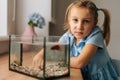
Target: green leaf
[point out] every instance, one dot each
(30, 23)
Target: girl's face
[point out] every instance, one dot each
(81, 22)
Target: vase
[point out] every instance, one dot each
(27, 37)
(29, 31)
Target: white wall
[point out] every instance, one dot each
(10, 17)
(113, 7)
(6, 15)
(6, 24)
(3, 17)
(24, 8)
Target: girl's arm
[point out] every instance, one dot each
(85, 56)
(38, 60)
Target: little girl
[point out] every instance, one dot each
(88, 41)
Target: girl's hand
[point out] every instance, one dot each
(38, 60)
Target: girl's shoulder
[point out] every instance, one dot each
(95, 37)
(96, 30)
(66, 36)
(94, 33)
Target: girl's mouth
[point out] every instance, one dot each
(79, 33)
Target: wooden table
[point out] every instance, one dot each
(5, 74)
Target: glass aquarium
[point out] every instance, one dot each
(56, 56)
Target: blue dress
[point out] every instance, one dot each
(100, 67)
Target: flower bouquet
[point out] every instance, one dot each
(36, 20)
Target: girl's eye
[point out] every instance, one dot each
(86, 21)
(75, 20)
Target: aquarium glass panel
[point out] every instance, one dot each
(56, 56)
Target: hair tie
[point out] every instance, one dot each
(98, 9)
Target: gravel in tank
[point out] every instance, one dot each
(52, 70)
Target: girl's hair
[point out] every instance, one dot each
(94, 11)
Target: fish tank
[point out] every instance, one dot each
(56, 56)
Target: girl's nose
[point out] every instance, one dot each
(80, 26)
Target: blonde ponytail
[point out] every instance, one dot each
(106, 26)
